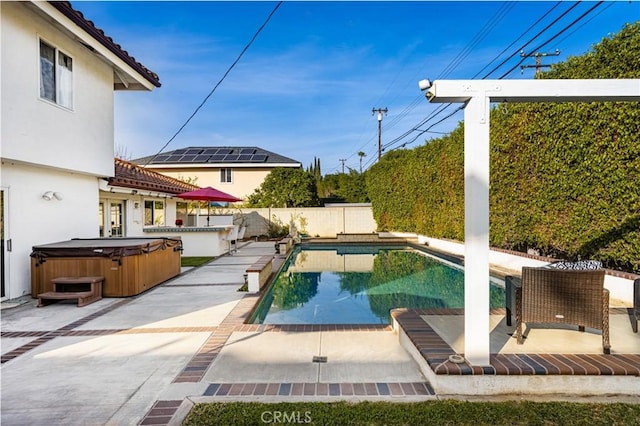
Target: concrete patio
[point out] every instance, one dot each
(147, 359)
(116, 360)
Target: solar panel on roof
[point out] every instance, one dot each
(245, 157)
(160, 159)
(217, 157)
(210, 151)
(174, 158)
(188, 157)
(225, 151)
(201, 158)
(259, 158)
(248, 151)
(231, 157)
(179, 151)
(194, 151)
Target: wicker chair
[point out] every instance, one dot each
(560, 296)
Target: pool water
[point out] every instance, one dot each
(352, 284)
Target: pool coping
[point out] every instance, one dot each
(280, 259)
(521, 373)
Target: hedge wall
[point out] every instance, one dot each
(565, 178)
(421, 190)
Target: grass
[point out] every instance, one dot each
(443, 412)
(194, 261)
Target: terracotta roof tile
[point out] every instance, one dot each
(78, 18)
(130, 175)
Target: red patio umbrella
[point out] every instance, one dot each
(208, 194)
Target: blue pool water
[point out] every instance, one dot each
(353, 284)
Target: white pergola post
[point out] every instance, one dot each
(478, 94)
(476, 229)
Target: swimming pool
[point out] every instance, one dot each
(356, 284)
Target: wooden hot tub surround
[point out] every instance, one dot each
(129, 266)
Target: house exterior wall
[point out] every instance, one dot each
(47, 147)
(31, 220)
(133, 205)
(40, 132)
(245, 180)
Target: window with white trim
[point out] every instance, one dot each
(56, 76)
(225, 176)
(154, 213)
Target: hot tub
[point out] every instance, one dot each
(129, 265)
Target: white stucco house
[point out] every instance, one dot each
(58, 77)
(136, 199)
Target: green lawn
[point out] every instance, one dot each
(194, 261)
(445, 412)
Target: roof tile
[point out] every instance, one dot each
(78, 18)
(130, 175)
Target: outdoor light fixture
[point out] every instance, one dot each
(50, 195)
(424, 84)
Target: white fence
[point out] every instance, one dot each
(315, 221)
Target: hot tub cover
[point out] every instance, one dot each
(104, 247)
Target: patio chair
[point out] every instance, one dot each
(232, 238)
(241, 232)
(562, 296)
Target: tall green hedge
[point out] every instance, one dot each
(565, 178)
(421, 190)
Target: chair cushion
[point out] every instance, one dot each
(578, 265)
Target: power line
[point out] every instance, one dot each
(514, 42)
(466, 51)
(442, 107)
(246, 47)
(609, 4)
(505, 8)
(555, 36)
(485, 30)
(416, 128)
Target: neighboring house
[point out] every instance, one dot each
(236, 170)
(135, 198)
(59, 73)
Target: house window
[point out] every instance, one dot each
(225, 176)
(153, 213)
(56, 76)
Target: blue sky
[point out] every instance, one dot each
(307, 85)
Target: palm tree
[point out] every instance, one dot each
(361, 155)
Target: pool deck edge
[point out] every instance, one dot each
(515, 374)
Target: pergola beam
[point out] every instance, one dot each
(446, 91)
(478, 95)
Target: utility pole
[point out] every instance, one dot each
(342, 160)
(538, 64)
(379, 111)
